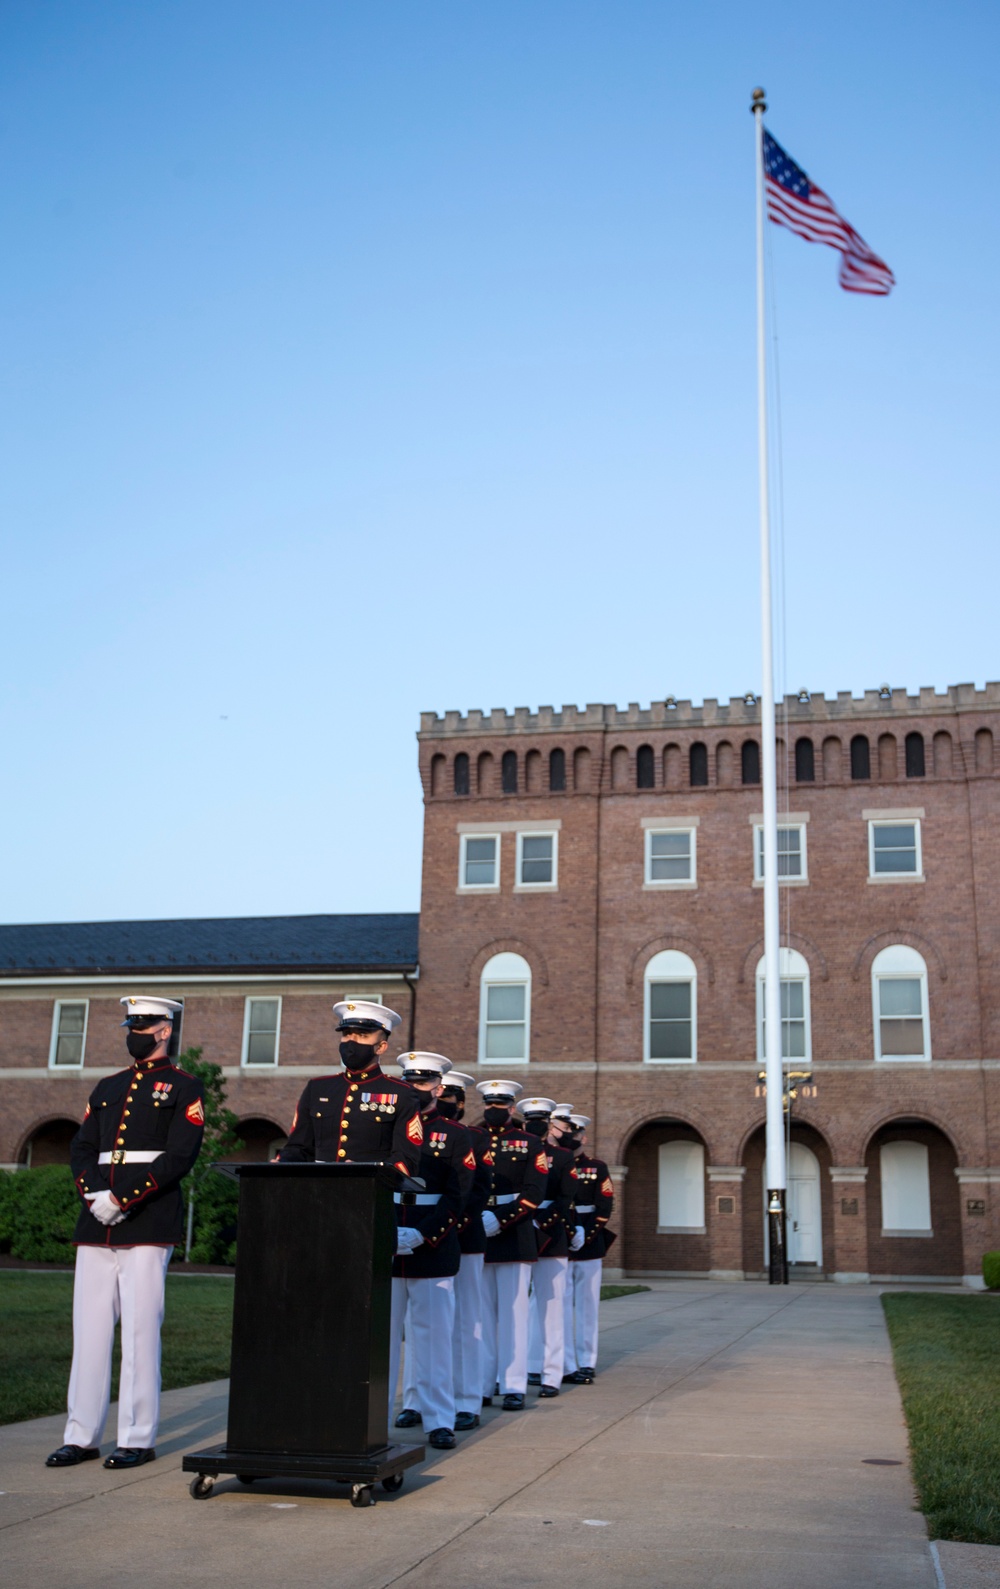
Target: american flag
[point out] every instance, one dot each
(795, 202)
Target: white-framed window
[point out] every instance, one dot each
(792, 863)
(796, 1024)
(69, 1034)
(670, 1022)
(671, 857)
(478, 862)
(261, 1030)
(906, 1189)
(894, 849)
(505, 1011)
(681, 1189)
(537, 860)
(899, 1005)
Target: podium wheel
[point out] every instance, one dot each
(393, 1483)
(362, 1495)
(246, 1478)
(201, 1487)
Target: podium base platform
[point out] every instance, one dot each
(361, 1472)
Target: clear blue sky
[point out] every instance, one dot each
(364, 359)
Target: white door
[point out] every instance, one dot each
(805, 1233)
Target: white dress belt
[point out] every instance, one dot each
(505, 1197)
(585, 1208)
(427, 1199)
(133, 1156)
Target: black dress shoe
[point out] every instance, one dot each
(441, 1439)
(548, 1390)
(69, 1456)
(589, 1375)
(580, 1377)
(128, 1457)
(408, 1418)
(570, 1379)
(487, 1401)
(466, 1420)
(534, 1379)
(513, 1401)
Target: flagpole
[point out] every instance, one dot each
(775, 1129)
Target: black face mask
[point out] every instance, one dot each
(572, 1143)
(536, 1126)
(356, 1056)
(141, 1044)
(450, 1109)
(496, 1116)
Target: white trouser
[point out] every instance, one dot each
(583, 1299)
(546, 1324)
(505, 1327)
(428, 1306)
(468, 1337)
(112, 1283)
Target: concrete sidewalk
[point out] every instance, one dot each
(737, 1435)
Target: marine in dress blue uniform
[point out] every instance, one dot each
(555, 1224)
(428, 1253)
(140, 1135)
(362, 1114)
(520, 1178)
(467, 1339)
(595, 1201)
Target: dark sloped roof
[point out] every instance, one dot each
(226, 943)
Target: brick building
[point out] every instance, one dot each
(591, 921)
(591, 916)
(256, 992)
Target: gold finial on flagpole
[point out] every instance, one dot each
(758, 102)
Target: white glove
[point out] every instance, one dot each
(104, 1208)
(577, 1239)
(491, 1224)
(408, 1239)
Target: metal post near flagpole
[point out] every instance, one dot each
(776, 1173)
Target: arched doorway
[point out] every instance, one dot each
(261, 1138)
(49, 1143)
(665, 1209)
(913, 1202)
(803, 1209)
(809, 1203)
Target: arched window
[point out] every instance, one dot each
(906, 1189)
(437, 774)
(619, 767)
(886, 757)
(984, 750)
(699, 765)
(533, 772)
(505, 1010)
(681, 1200)
(557, 771)
(485, 773)
(899, 1004)
(861, 758)
(914, 752)
(750, 761)
(832, 753)
(796, 1034)
(805, 764)
(581, 770)
(671, 1009)
(461, 773)
(645, 768)
(508, 772)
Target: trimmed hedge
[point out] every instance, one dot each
(39, 1209)
(991, 1270)
(38, 1213)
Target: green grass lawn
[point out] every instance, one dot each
(609, 1292)
(947, 1356)
(36, 1338)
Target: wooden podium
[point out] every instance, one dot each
(309, 1386)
